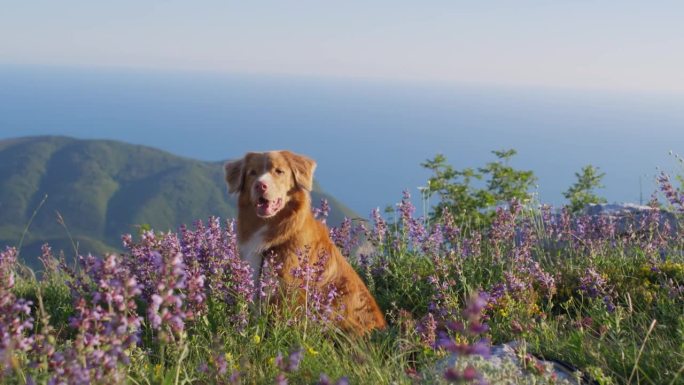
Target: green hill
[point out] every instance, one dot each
(104, 189)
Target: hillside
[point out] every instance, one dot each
(104, 189)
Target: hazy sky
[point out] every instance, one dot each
(637, 45)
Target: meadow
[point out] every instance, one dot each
(179, 308)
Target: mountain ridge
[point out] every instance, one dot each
(103, 189)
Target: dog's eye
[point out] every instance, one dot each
(252, 172)
(279, 171)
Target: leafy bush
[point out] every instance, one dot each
(581, 193)
(470, 203)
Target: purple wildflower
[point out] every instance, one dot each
(427, 330)
(48, 260)
(675, 197)
(321, 213)
(294, 360)
(269, 280)
(564, 226)
(594, 285)
(288, 365)
(320, 299)
(166, 311)
(472, 313)
(196, 296)
(433, 244)
(413, 227)
(325, 380)
(107, 325)
(502, 231)
(215, 270)
(452, 233)
(379, 234)
(15, 313)
(346, 236)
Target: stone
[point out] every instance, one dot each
(504, 366)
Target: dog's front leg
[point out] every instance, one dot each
(251, 251)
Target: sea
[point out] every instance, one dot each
(368, 136)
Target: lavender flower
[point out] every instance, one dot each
(166, 311)
(15, 313)
(502, 231)
(652, 239)
(547, 222)
(441, 283)
(378, 235)
(469, 374)
(433, 244)
(321, 213)
(594, 285)
(288, 365)
(472, 245)
(414, 227)
(107, 325)
(564, 226)
(472, 313)
(320, 298)
(451, 231)
(581, 231)
(269, 281)
(196, 295)
(346, 236)
(48, 260)
(325, 380)
(215, 270)
(427, 330)
(673, 196)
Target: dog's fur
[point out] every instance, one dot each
(274, 215)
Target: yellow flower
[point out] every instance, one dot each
(157, 370)
(256, 339)
(311, 350)
(459, 339)
(228, 357)
(534, 309)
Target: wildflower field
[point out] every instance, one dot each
(179, 308)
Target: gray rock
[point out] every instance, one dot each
(631, 217)
(504, 366)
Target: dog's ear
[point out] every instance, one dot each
(303, 169)
(235, 175)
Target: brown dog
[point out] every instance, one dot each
(274, 215)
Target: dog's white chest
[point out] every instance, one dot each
(251, 251)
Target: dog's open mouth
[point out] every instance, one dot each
(267, 208)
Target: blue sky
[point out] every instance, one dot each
(617, 45)
(545, 64)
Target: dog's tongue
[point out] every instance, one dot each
(266, 208)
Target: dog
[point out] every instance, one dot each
(275, 216)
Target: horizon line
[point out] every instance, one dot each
(359, 79)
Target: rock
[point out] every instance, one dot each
(504, 366)
(631, 217)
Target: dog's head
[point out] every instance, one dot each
(268, 180)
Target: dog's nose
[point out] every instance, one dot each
(261, 186)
